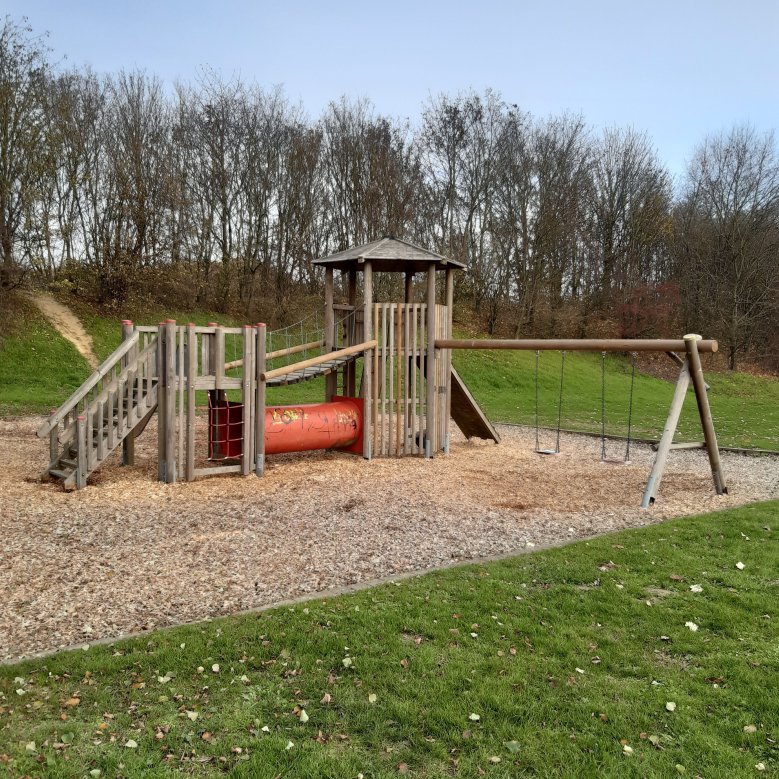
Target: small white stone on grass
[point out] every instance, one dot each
(740, 566)
(474, 717)
(696, 588)
(215, 668)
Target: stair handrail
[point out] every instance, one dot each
(105, 368)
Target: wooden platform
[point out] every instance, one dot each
(467, 413)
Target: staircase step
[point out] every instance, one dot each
(70, 463)
(60, 474)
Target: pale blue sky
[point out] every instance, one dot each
(677, 69)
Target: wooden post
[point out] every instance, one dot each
(664, 447)
(247, 449)
(54, 446)
(332, 378)
(408, 296)
(350, 369)
(128, 445)
(161, 400)
(81, 454)
(367, 377)
(430, 412)
(170, 401)
(448, 356)
(710, 436)
(191, 372)
(259, 402)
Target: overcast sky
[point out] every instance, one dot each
(678, 69)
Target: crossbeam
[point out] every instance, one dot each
(575, 344)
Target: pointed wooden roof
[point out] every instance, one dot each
(388, 254)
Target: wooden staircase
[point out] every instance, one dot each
(112, 407)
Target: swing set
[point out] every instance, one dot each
(603, 457)
(690, 372)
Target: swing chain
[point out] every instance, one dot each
(603, 407)
(633, 358)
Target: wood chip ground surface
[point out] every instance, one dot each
(129, 554)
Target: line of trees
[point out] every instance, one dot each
(117, 184)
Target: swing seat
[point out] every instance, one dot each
(612, 461)
(547, 451)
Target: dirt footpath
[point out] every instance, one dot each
(129, 554)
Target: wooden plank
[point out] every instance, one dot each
(374, 319)
(368, 376)
(467, 413)
(161, 398)
(81, 467)
(170, 401)
(247, 431)
(330, 384)
(191, 372)
(448, 353)
(217, 470)
(406, 387)
(664, 447)
(399, 417)
(430, 418)
(415, 448)
(180, 413)
(259, 402)
(226, 383)
(383, 371)
(391, 379)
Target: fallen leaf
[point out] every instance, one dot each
(676, 578)
(696, 588)
(72, 701)
(740, 566)
(30, 747)
(402, 768)
(474, 717)
(131, 744)
(290, 745)
(303, 716)
(750, 729)
(512, 746)
(372, 698)
(326, 698)
(670, 706)
(680, 769)
(192, 715)
(691, 625)
(627, 749)
(494, 760)
(347, 662)
(760, 766)
(215, 668)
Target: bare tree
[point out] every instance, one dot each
(729, 236)
(24, 76)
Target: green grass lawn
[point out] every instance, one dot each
(38, 370)
(576, 662)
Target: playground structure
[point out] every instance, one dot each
(392, 362)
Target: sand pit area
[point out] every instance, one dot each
(129, 554)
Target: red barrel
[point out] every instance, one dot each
(334, 425)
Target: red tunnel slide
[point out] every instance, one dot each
(334, 425)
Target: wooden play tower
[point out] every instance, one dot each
(409, 387)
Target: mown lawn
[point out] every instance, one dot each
(580, 661)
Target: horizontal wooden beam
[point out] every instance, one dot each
(575, 344)
(326, 357)
(281, 353)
